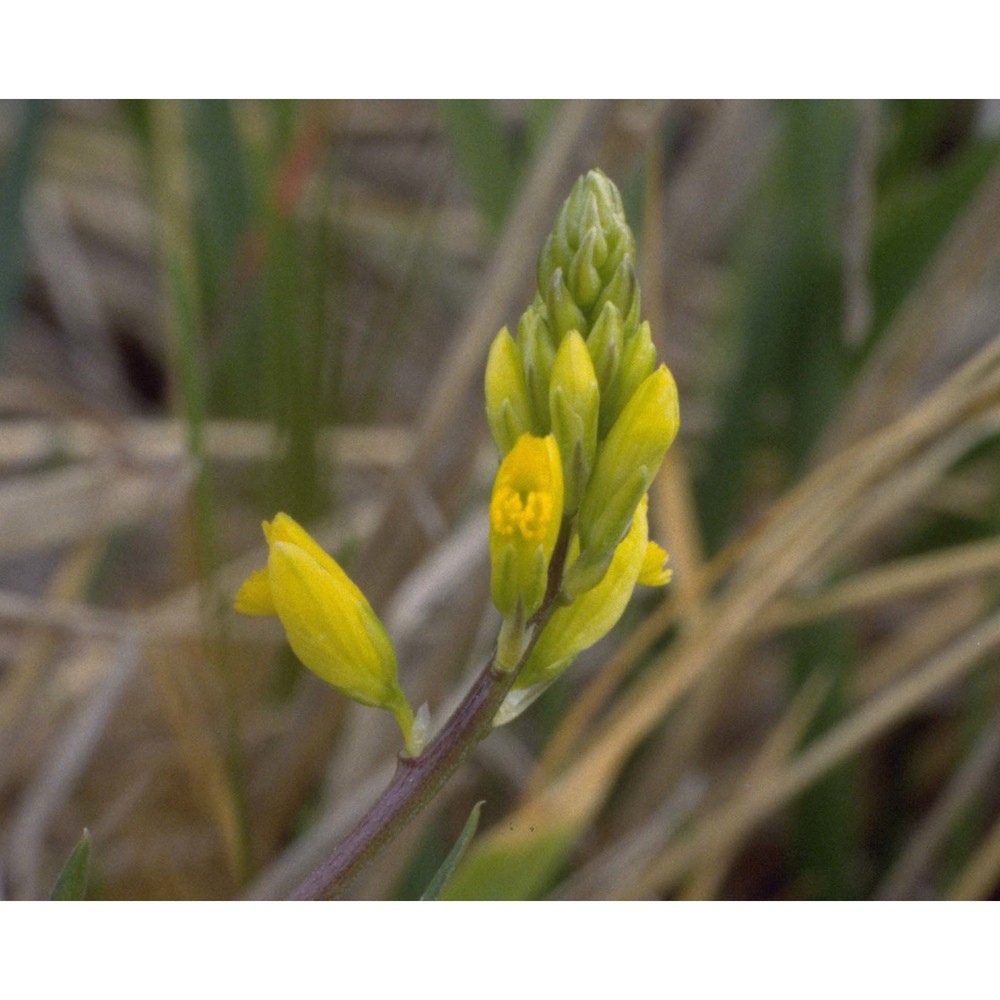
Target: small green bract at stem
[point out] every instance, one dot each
(330, 625)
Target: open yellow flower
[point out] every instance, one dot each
(329, 624)
(525, 514)
(579, 625)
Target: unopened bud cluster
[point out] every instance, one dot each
(582, 374)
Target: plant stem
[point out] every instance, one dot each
(418, 779)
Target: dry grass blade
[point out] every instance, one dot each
(933, 315)
(153, 441)
(979, 877)
(51, 508)
(781, 742)
(979, 767)
(67, 758)
(904, 578)
(927, 630)
(733, 819)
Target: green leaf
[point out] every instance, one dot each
(16, 174)
(72, 881)
(514, 862)
(485, 154)
(441, 876)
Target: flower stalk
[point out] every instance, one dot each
(418, 779)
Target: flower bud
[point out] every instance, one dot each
(588, 619)
(563, 313)
(606, 342)
(525, 515)
(627, 461)
(329, 624)
(583, 278)
(508, 407)
(537, 355)
(623, 291)
(638, 362)
(574, 401)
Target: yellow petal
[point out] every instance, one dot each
(654, 572)
(326, 627)
(525, 514)
(285, 529)
(592, 615)
(254, 596)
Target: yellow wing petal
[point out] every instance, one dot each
(325, 627)
(254, 596)
(654, 572)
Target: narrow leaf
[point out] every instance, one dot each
(441, 876)
(72, 881)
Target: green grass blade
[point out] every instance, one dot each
(15, 179)
(440, 879)
(485, 155)
(71, 883)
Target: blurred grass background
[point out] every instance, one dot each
(210, 311)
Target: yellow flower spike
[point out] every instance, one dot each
(525, 514)
(654, 572)
(588, 619)
(330, 625)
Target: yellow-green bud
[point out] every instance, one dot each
(638, 361)
(537, 355)
(588, 619)
(627, 461)
(606, 343)
(508, 407)
(574, 401)
(623, 290)
(525, 514)
(583, 278)
(563, 313)
(330, 625)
